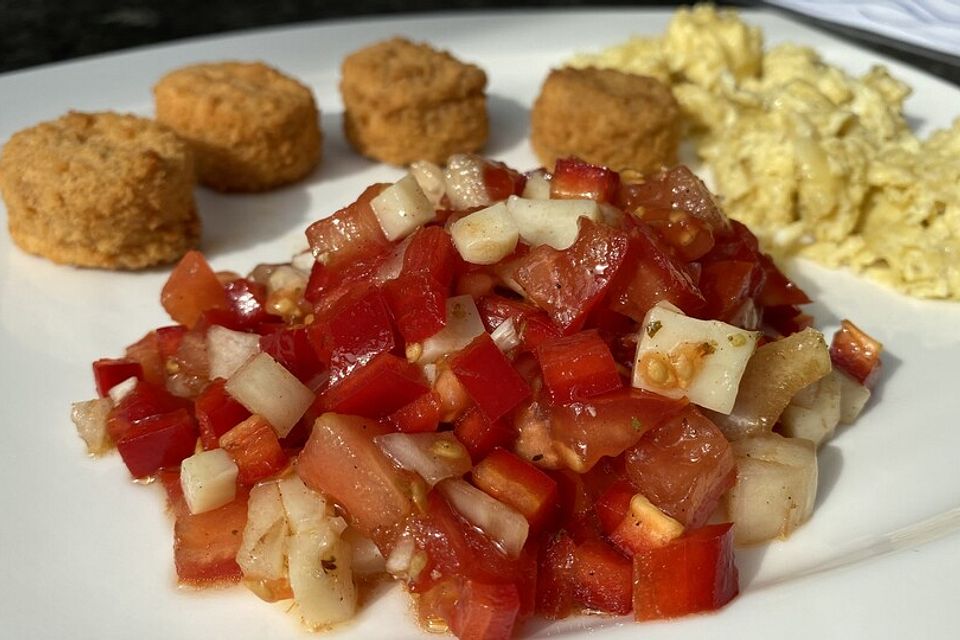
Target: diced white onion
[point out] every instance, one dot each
(486, 236)
(430, 178)
(463, 178)
(286, 278)
(814, 412)
(90, 418)
(400, 558)
(551, 222)
(321, 578)
(853, 397)
(537, 186)
(208, 480)
(504, 525)
(367, 559)
(303, 261)
(264, 386)
(434, 456)
(401, 208)
(262, 553)
(462, 326)
(227, 350)
(505, 336)
(120, 390)
(776, 487)
(306, 509)
(701, 359)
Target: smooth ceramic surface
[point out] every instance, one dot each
(86, 553)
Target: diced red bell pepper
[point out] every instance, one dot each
(357, 329)
(169, 340)
(489, 378)
(342, 461)
(602, 578)
(206, 544)
(420, 416)
(254, 447)
(191, 289)
(431, 250)
(568, 284)
(480, 436)
(856, 353)
(577, 367)
(607, 425)
(158, 441)
(418, 302)
(650, 274)
(109, 372)
(217, 412)
(727, 285)
(485, 611)
(613, 503)
(778, 289)
(684, 465)
(786, 320)
(145, 401)
(377, 389)
(555, 578)
(501, 181)
(518, 484)
(352, 234)
(694, 573)
(291, 347)
(574, 178)
(146, 351)
(246, 302)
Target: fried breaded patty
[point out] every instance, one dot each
(407, 101)
(620, 120)
(251, 127)
(100, 190)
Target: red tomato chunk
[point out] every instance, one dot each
(577, 367)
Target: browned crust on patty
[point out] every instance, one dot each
(406, 101)
(100, 190)
(251, 127)
(620, 120)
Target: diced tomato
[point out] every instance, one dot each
(683, 466)
(574, 178)
(613, 504)
(291, 347)
(736, 242)
(688, 236)
(694, 573)
(577, 367)
(486, 611)
(418, 302)
(206, 544)
(727, 285)
(217, 412)
(246, 302)
(108, 372)
(778, 289)
(555, 577)
(518, 484)
(341, 460)
(856, 353)
(531, 323)
(254, 447)
(651, 275)
(377, 389)
(607, 425)
(489, 378)
(786, 320)
(191, 289)
(158, 441)
(602, 578)
(501, 181)
(431, 250)
(318, 283)
(420, 416)
(568, 284)
(676, 189)
(357, 329)
(351, 234)
(146, 351)
(145, 401)
(169, 340)
(480, 435)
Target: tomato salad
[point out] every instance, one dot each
(517, 394)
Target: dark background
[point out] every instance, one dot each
(34, 32)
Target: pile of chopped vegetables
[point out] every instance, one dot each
(516, 394)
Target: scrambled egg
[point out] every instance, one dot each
(817, 162)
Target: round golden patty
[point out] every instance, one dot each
(620, 120)
(251, 127)
(100, 190)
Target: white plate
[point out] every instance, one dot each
(87, 554)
